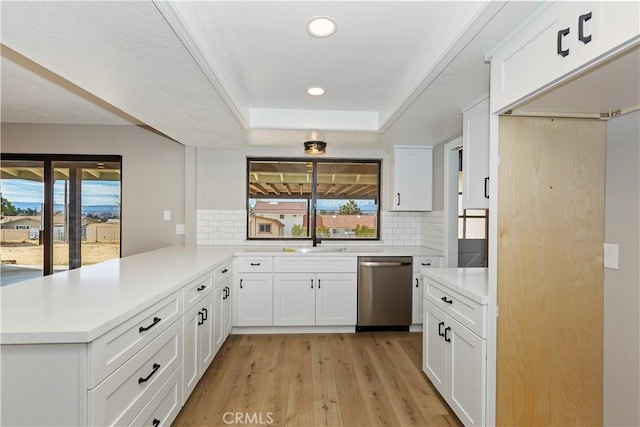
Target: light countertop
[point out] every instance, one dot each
(470, 282)
(328, 250)
(80, 305)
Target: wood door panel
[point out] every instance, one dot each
(550, 271)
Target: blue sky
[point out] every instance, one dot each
(93, 192)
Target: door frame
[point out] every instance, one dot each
(451, 165)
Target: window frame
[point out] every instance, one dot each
(312, 201)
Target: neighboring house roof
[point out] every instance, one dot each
(19, 218)
(345, 221)
(280, 208)
(58, 219)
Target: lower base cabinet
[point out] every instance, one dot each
(314, 299)
(164, 406)
(199, 345)
(254, 297)
(222, 309)
(119, 399)
(454, 359)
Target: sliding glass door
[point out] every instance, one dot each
(22, 193)
(70, 206)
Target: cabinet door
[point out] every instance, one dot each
(475, 150)
(191, 358)
(417, 297)
(467, 373)
(434, 349)
(530, 60)
(413, 179)
(255, 299)
(227, 317)
(605, 26)
(336, 299)
(206, 345)
(218, 318)
(294, 299)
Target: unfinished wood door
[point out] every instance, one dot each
(550, 271)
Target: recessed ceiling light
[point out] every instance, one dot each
(315, 91)
(321, 27)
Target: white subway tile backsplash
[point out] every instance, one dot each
(227, 227)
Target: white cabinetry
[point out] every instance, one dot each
(412, 178)
(222, 305)
(314, 299)
(326, 297)
(337, 299)
(418, 283)
(254, 291)
(119, 399)
(561, 38)
(222, 323)
(138, 370)
(454, 350)
(199, 349)
(605, 25)
(475, 152)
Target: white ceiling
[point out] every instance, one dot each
(234, 73)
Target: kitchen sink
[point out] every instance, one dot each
(314, 250)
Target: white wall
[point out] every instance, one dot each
(621, 287)
(153, 173)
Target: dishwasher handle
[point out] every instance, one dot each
(384, 263)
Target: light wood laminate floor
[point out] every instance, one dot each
(364, 379)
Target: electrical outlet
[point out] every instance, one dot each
(166, 215)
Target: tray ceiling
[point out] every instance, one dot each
(235, 73)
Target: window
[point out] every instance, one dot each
(265, 228)
(66, 211)
(296, 199)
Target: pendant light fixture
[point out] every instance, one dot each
(315, 147)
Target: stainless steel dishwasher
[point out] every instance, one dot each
(384, 293)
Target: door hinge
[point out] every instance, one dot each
(497, 311)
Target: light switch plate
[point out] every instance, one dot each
(611, 256)
(179, 228)
(166, 215)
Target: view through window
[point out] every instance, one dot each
(58, 213)
(293, 198)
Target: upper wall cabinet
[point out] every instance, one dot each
(412, 178)
(475, 152)
(559, 40)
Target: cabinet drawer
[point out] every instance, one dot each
(109, 351)
(307, 264)
(164, 406)
(425, 262)
(255, 264)
(121, 397)
(223, 272)
(466, 311)
(197, 290)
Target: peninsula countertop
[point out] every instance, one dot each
(470, 282)
(82, 304)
